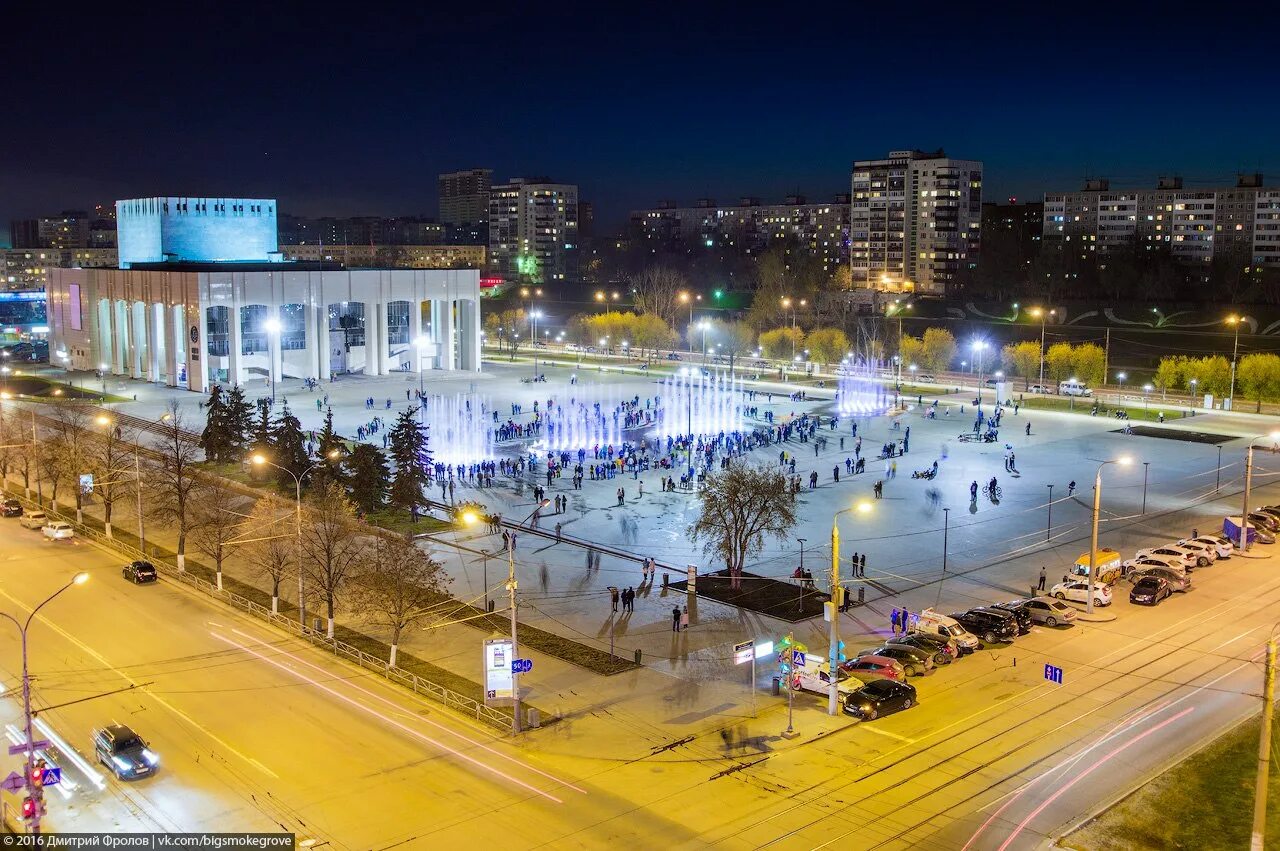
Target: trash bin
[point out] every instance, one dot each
(862, 595)
(638, 654)
(535, 718)
(776, 687)
(1034, 591)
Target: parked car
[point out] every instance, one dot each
(1040, 388)
(1150, 590)
(915, 662)
(1078, 592)
(1178, 580)
(927, 378)
(34, 519)
(815, 676)
(1264, 521)
(57, 530)
(868, 668)
(1189, 559)
(1203, 552)
(943, 654)
(880, 697)
(1221, 544)
(988, 625)
(11, 508)
(673, 356)
(1170, 562)
(1018, 609)
(139, 572)
(124, 752)
(1049, 611)
(934, 623)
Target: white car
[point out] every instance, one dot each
(815, 676)
(1201, 551)
(1188, 558)
(1077, 591)
(56, 530)
(1039, 388)
(34, 519)
(1154, 561)
(1222, 546)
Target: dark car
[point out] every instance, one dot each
(1265, 521)
(124, 752)
(11, 508)
(139, 572)
(1150, 590)
(914, 660)
(928, 643)
(1017, 608)
(880, 697)
(988, 625)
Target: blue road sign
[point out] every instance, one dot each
(1053, 674)
(521, 666)
(51, 777)
(797, 658)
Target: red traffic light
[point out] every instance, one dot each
(28, 807)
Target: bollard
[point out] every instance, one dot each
(1034, 591)
(639, 652)
(665, 578)
(776, 687)
(862, 594)
(491, 602)
(534, 718)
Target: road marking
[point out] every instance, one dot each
(887, 733)
(164, 703)
(388, 719)
(1232, 640)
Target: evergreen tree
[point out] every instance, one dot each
(329, 439)
(290, 446)
(262, 427)
(366, 474)
(239, 420)
(331, 450)
(408, 444)
(217, 440)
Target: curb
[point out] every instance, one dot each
(1106, 617)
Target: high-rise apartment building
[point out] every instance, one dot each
(1194, 225)
(533, 231)
(68, 229)
(464, 200)
(748, 227)
(915, 221)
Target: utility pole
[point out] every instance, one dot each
(1106, 356)
(515, 652)
(1257, 842)
(1244, 510)
(833, 691)
(1048, 526)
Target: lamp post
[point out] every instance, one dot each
(1120, 376)
(1123, 461)
(837, 594)
(1235, 351)
(979, 346)
(704, 326)
(534, 316)
(1048, 525)
(1146, 395)
(260, 460)
(273, 328)
(420, 343)
(1043, 316)
(34, 792)
(1257, 841)
(1248, 484)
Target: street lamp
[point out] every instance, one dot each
(1123, 461)
(421, 342)
(1120, 376)
(1146, 394)
(837, 594)
(273, 328)
(1248, 483)
(979, 346)
(704, 326)
(260, 460)
(1043, 316)
(534, 316)
(1235, 351)
(36, 792)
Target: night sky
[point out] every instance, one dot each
(355, 108)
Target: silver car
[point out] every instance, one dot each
(1049, 611)
(1179, 580)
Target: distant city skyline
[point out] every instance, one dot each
(640, 110)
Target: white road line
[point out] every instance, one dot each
(886, 733)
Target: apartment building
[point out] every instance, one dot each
(533, 231)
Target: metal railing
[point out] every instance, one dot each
(420, 685)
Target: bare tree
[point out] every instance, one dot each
(172, 478)
(332, 544)
(52, 466)
(657, 290)
(740, 506)
(70, 427)
(270, 542)
(398, 587)
(218, 521)
(112, 463)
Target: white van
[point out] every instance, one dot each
(815, 676)
(932, 623)
(1073, 388)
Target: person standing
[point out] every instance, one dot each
(862, 565)
(893, 618)
(684, 619)
(675, 619)
(613, 597)
(1040, 586)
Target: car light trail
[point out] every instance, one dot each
(389, 720)
(438, 726)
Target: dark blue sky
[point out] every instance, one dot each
(353, 108)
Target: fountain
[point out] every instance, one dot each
(579, 423)
(460, 428)
(693, 403)
(859, 392)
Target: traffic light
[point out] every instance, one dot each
(28, 807)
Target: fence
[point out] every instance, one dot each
(407, 679)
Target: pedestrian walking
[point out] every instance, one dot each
(1040, 586)
(1028, 428)
(613, 597)
(675, 619)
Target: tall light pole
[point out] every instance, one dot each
(1248, 484)
(1042, 315)
(979, 346)
(511, 592)
(534, 316)
(704, 326)
(420, 343)
(1120, 376)
(273, 327)
(1257, 841)
(1123, 461)
(1235, 351)
(837, 594)
(34, 792)
(260, 460)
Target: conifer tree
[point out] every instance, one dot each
(407, 443)
(366, 473)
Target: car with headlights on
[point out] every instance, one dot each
(123, 751)
(880, 697)
(58, 530)
(140, 572)
(11, 508)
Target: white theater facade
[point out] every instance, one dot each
(188, 321)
